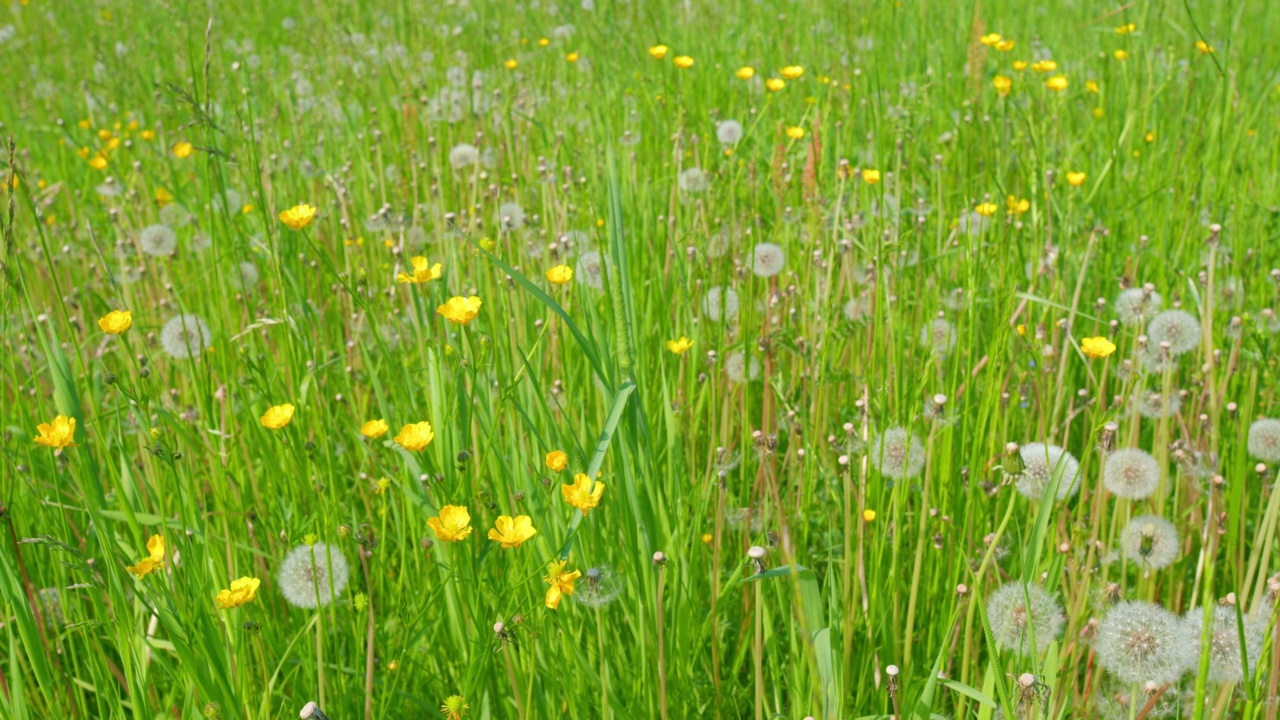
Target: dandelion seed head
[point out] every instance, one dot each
(1140, 642)
(897, 453)
(313, 574)
(248, 276)
(510, 216)
(739, 368)
(185, 336)
(1264, 439)
(939, 335)
(464, 155)
(767, 260)
(1179, 328)
(176, 216)
(157, 240)
(720, 303)
(729, 132)
(693, 180)
(857, 308)
(1018, 610)
(1150, 541)
(1224, 642)
(1131, 473)
(598, 587)
(1041, 465)
(1136, 305)
(1155, 405)
(590, 270)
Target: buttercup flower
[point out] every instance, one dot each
(1044, 66)
(775, 84)
(116, 322)
(1016, 206)
(681, 346)
(871, 177)
(58, 434)
(1204, 47)
(560, 274)
(990, 39)
(415, 437)
(657, 52)
(561, 583)
(791, 72)
(1057, 83)
(986, 209)
(1097, 347)
(1002, 85)
(452, 524)
(423, 272)
(557, 460)
(1005, 45)
(154, 559)
(460, 310)
(512, 532)
(746, 72)
(242, 591)
(581, 494)
(163, 197)
(1075, 179)
(572, 57)
(684, 62)
(277, 417)
(511, 63)
(374, 428)
(298, 216)
(182, 150)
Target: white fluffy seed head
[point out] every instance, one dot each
(897, 453)
(1017, 611)
(1140, 642)
(739, 368)
(464, 155)
(693, 180)
(590, 270)
(157, 240)
(312, 575)
(767, 260)
(729, 132)
(510, 216)
(1179, 328)
(1131, 473)
(1136, 305)
(1156, 405)
(939, 335)
(185, 336)
(720, 303)
(1224, 642)
(1150, 541)
(1264, 439)
(248, 276)
(1042, 464)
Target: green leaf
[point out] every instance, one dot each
(970, 691)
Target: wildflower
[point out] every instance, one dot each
(153, 561)
(1057, 83)
(1097, 347)
(720, 302)
(1204, 47)
(1156, 405)
(1150, 136)
(985, 209)
(374, 429)
(58, 434)
(1076, 179)
(455, 705)
(1126, 28)
(939, 335)
(738, 369)
(1179, 328)
(582, 494)
(1150, 541)
(242, 591)
(512, 532)
(990, 39)
(707, 538)
(1044, 464)
(463, 155)
(157, 240)
(511, 63)
(312, 575)
(791, 72)
(423, 272)
(560, 274)
(795, 132)
(277, 417)
(681, 346)
(590, 270)
(767, 260)
(147, 134)
(1091, 86)
(1135, 305)
(163, 197)
(1131, 473)
(1121, 55)
(561, 583)
(116, 322)
(775, 84)
(185, 336)
(183, 150)
(1005, 45)
(1002, 85)
(1044, 66)
(98, 162)
(298, 216)
(729, 132)
(1019, 610)
(657, 52)
(572, 57)
(1019, 65)
(460, 310)
(543, 42)
(897, 453)
(557, 460)
(684, 62)
(415, 437)
(1140, 642)
(1016, 206)
(452, 524)
(1225, 652)
(871, 177)
(1264, 439)
(746, 72)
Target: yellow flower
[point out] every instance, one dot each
(775, 84)
(560, 274)
(277, 416)
(455, 705)
(183, 149)
(512, 532)
(581, 495)
(795, 133)
(871, 177)
(147, 134)
(298, 216)
(83, 152)
(681, 346)
(452, 524)
(1044, 66)
(1057, 83)
(868, 515)
(242, 591)
(1016, 206)
(154, 559)
(423, 272)
(1121, 55)
(1097, 347)
(248, 208)
(511, 64)
(707, 538)
(98, 162)
(1091, 85)
(415, 437)
(1099, 112)
(1019, 65)
(1002, 85)
(1005, 45)
(986, 209)
(543, 42)
(1204, 47)
(684, 62)
(1022, 330)
(561, 583)
(58, 434)
(381, 486)
(557, 460)
(374, 428)
(460, 310)
(1151, 136)
(746, 72)
(791, 72)
(1075, 179)
(657, 52)
(572, 57)
(116, 322)
(990, 39)
(163, 197)
(1126, 29)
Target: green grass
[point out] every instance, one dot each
(355, 107)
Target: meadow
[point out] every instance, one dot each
(624, 359)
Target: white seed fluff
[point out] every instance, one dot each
(938, 334)
(1140, 642)
(1264, 439)
(1135, 305)
(157, 240)
(185, 336)
(590, 270)
(693, 180)
(313, 575)
(1150, 541)
(1131, 473)
(1179, 328)
(1018, 610)
(720, 303)
(897, 454)
(1041, 465)
(729, 132)
(767, 260)
(464, 155)
(1224, 642)
(741, 369)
